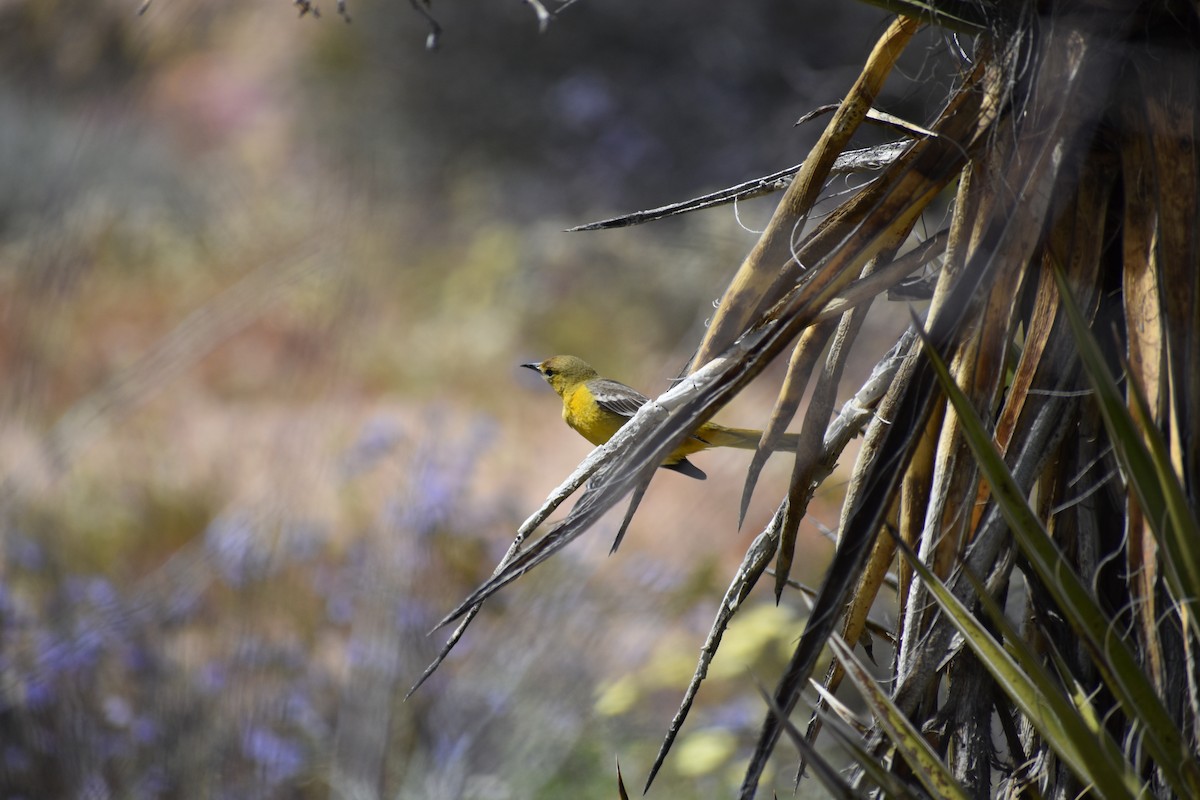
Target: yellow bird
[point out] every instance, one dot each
(597, 407)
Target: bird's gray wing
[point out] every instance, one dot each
(617, 397)
(620, 399)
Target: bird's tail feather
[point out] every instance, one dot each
(744, 438)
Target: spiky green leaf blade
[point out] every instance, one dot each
(926, 764)
(1113, 658)
(869, 762)
(1031, 662)
(1075, 690)
(1023, 678)
(1144, 462)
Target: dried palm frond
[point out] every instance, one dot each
(1072, 139)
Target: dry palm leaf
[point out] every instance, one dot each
(1073, 142)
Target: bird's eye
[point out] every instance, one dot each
(548, 372)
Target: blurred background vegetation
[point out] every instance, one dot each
(264, 284)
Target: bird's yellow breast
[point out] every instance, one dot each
(582, 413)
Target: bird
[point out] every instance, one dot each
(597, 407)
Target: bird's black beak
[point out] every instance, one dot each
(533, 366)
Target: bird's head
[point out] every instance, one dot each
(563, 372)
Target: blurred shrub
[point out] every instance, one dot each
(233, 664)
(179, 624)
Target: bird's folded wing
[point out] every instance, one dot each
(616, 397)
